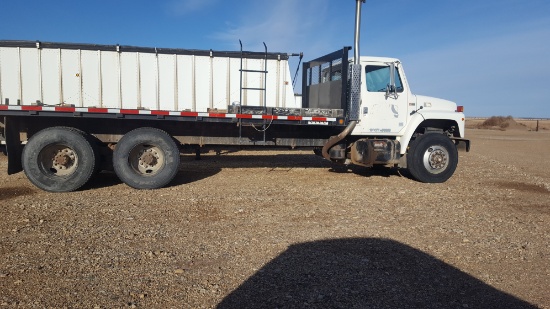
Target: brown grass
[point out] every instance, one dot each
(497, 122)
(508, 123)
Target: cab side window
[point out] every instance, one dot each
(378, 77)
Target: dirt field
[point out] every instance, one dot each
(284, 230)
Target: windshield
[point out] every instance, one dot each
(378, 78)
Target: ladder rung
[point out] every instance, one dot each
(245, 88)
(253, 71)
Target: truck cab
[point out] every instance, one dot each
(386, 123)
(389, 108)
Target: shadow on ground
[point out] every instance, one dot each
(192, 170)
(236, 160)
(375, 171)
(13, 192)
(363, 273)
(101, 180)
(213, 164)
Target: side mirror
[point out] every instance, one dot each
(391, 89)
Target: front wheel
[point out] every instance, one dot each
(432, 158)
(146, 158)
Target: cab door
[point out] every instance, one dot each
(384, 103)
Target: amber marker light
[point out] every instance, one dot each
(460, 109)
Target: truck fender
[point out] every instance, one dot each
(413, 123)
(417, 119)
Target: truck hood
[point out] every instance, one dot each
(434, 104)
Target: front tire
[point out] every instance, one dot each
(59, 159)
(146, 158)
(432, 158)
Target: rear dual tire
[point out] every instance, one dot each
(146, 158)
(60, 159)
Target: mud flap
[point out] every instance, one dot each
(461, 143)
(13, 145)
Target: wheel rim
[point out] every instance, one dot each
(436, 159)
(146, 159)
(59, 160)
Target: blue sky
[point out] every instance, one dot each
(491, 56)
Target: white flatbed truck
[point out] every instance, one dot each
(71, 110)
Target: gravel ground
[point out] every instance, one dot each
(285, 230)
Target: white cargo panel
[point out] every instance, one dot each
(79, 75)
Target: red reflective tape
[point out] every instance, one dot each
(64, 109)
(189, 114)
(216, 115)
(294, 117)
(31, 108)
(321, 119)
(244, 116)
(98, 110)
(164, 113)
(103, 110)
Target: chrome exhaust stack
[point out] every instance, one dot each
(355, 89)
(357, 37)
